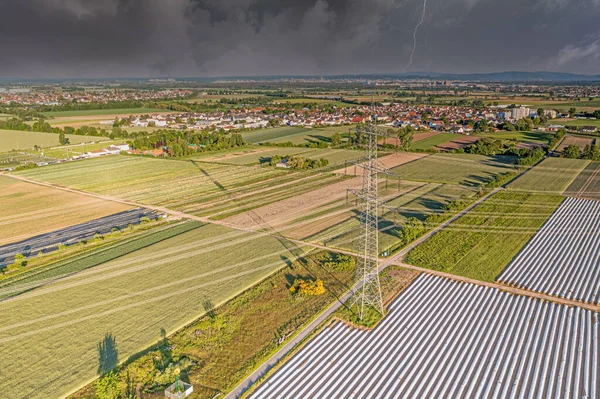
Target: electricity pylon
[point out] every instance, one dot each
(367, 287)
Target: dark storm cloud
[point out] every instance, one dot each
(86, 38)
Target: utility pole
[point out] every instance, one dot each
(367, 285)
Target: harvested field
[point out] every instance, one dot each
(587, 183)
(164, 286)
(466, 169)
(251, 156)
(280, 212)
(562, 258)
(150, 181)
(457, 143)
(28, 209)
(389, 161)
(481, 243)
(445, 339)
(579, 142)
(21, 140)
(553, 175)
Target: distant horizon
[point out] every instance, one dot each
(416, 74)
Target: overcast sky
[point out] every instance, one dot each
(144, 38)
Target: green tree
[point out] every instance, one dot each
(405, 137)
(572, 112)
(571, 151)
(336, 140)
(62, 139)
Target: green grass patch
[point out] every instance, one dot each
(274, 134)
(552, 175)
(481, 243)
(429, 143)
(523, 137)
(22, 140)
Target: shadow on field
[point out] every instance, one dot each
(108, 355)
(298, 254)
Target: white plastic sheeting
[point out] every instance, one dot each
(563, 258)
(444, 339)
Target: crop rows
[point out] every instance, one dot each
(164, 285)
(562, 259)
(444, 339)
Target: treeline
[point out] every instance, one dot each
(297, 162)
(184, 143)
(590, 151)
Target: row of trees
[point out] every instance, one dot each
(297, 162)
(182, 143)
(590, 152)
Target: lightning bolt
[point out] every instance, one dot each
(412, 54)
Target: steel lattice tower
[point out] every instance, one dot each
(368, 289)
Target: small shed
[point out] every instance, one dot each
(179, 390)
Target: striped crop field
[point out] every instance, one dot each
(587, 183)
(445, 339)
(552, 175)
(562, 259)
(150, 181)
(157, 284)
(198, 188)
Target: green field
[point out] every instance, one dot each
(466, 169)
(21, 140)
(551, 175)
(162, 287)
(480, 244)
(431, 142)
(524, 137)
(95, 112)
(259, 136)
(417, 201)
(296, 135)
(577, 122)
